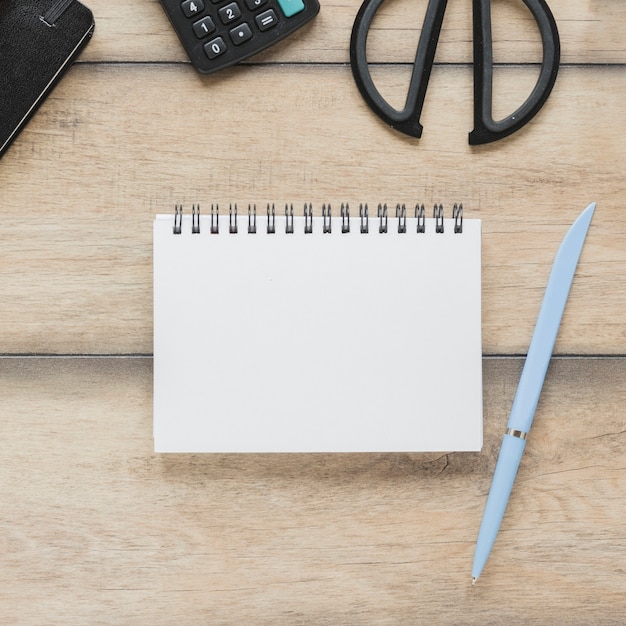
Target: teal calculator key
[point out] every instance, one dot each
(291, 7)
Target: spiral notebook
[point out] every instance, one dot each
(276, 332)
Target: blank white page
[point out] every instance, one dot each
(320, 342)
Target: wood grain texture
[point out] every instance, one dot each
(591, 32)
(116, 144)
(97, 529)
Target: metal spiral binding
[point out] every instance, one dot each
(271, 222)
(195, 220)
(383, 225)
(289, 220)
(457, 215)
(232, 220)
(365, 222)
(326, 226)
(345, 218)
(382, 215)
(251, 221)
(438, 215)
(178, 220)
(215, 227)
(308, 219)
(401, 215)
(420, 214)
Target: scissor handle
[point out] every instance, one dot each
(407, 119)
(486, 129)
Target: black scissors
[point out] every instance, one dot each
(486, 129)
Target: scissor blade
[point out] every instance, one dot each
(548, 322)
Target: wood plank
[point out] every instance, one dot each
(114, 145)
(590, 33)
(97, 529)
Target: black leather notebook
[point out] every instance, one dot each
(39, 40)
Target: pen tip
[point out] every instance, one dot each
(473, 580)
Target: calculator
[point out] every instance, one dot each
(220, 33)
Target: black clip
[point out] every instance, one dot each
(251, 221)
(420, 214)
(289, 220)
(457, 214)
(345, 218)
(232, 220)
(271, 221)
(215, 227)
(382, 214)
(401, 215)
(365, 221)
(178, 219)
(327, 225)
(438, 215)
(308, 219)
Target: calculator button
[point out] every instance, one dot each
(291, 7)
(240, 33)
(203, 27)
(192, 7)
(215, 48)
(253, 5)
(219, 33)
(230, 13)
(266, 20)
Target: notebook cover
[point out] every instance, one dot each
(35, 55)
(319, 342)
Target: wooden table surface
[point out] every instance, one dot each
(96, 528)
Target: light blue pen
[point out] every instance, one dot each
(530, 384)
